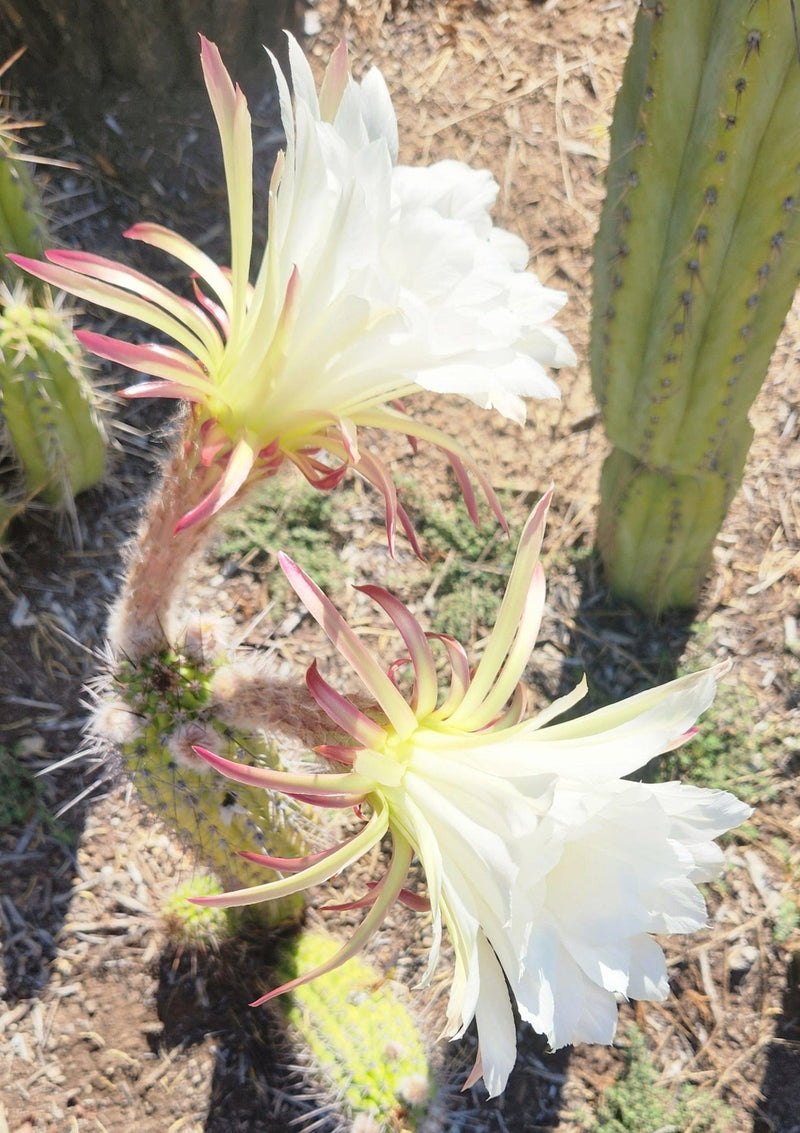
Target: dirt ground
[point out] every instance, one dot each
(106, 1026)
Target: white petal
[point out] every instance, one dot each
(648, 970)
(305, 89)
(613, 741)
(378, 113)
(697, 812)
(597, 1022)
(497, 1035)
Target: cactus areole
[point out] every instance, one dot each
(696, 263)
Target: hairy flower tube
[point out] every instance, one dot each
(550, 870)
(377, 280)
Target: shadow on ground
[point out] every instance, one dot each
(779, 1111)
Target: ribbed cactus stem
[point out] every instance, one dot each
(360, 1034)
(696, 263)
(165, 708)
(662, 523)
(22, 222)
(50, 412)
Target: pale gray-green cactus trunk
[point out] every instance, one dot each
(696, 263)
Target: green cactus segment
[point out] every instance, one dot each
(197, 925)
(360, 1034)
(698, 250)
(22, 221)
(169, 698)
(653, 530)
(49, 409)
(648, 138)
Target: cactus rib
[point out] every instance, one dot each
(696, 263)
(49, 410)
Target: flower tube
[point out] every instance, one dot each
(377, 280)
(549, 869)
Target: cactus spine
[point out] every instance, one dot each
(696, 262)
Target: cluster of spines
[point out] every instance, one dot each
(696, 262)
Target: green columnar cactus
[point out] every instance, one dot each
(50, 424)
(696, 263)
(165, 709)
(50, 416)
(22, 221)
(361, 1036)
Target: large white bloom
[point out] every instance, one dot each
(549, 869)
(377, 280)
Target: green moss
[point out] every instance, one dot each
(289, 515)
(19, 791)
(787, 921)
(22, 797)
(637, 1103)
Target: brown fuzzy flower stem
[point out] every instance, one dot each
(159, 559)
(245, 696)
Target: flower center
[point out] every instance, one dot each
(386, 767)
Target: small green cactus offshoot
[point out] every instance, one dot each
(696, 263)
(195, 925)
(51, 422)
(360, 1034)
(166, 708)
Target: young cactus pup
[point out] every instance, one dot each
(696, 264)
(23, 222)
(50, 419)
